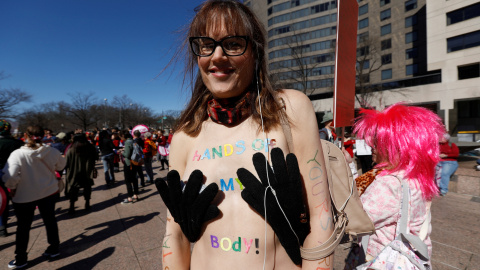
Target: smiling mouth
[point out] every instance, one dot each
(221, 71)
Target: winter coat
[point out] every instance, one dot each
(31, 172)
(80, 168)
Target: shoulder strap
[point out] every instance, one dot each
(334, 240)
(415, 241)
(287, 131)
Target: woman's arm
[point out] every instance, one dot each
(60, 161)
(308, 149)
(176, 247)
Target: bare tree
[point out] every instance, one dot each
(9, 98)
(304, 69)
(368, 61)
(83, 110)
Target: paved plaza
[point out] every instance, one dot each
(116, 236)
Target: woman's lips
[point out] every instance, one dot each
(217, 72)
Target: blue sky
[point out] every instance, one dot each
(53, 48)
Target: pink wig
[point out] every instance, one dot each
(404, 138)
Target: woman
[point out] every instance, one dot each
(149, 151)
(448, 164)
(230, 118)
(404, 141)
(80, 165)
(162, 150)
(106, 146)
(117, 142)
(129, 173)
(30, 175)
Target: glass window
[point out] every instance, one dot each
(363, 51)
(363, 23)
(386, 74)
(386, 59)
(411, 53)
(409, 5)
(386, 29)
(411, 69)
(463, 14)
(384, 2)
(411, 21)
(464, 41)
(363, 9)
(386, 44)
(411, 37)
(469, 71)
(362, 37)
(386, 14)
(364, 63)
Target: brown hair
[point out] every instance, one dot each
(35, 135)
(238, 20)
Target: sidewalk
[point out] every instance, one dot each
(116, 236)
(110, 236)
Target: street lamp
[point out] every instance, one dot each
(105, 110)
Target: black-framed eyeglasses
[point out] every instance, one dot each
(231, 46)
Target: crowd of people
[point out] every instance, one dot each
(32, 169)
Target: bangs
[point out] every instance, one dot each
(217, 17)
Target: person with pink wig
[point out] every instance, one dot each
(405, 145)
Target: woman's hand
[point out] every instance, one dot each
(12, 193)
(191, 206)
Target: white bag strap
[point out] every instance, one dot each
(414, 241)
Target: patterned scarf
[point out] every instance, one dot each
(364, 180)
(229, 111)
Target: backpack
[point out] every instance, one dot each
(153, 148)
(350, 220)
(137, 155)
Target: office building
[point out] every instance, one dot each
(426, 52)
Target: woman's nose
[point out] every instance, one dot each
(218, 53)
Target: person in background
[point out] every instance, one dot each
(61, 142)
(30, 176)
(348, 143)
(81, 159)
(107, 150)
(149, 151)
(328, 131)
(131, 180)
(405, 145)
(117, 142)
(162, 150)
(7, 145)
(449, 154)
(48, 139)
(137, 138)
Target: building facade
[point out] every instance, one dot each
(425, 52)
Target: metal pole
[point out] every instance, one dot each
(105, 110)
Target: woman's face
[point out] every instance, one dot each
(226, 76)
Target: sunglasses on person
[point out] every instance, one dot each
(231, 46)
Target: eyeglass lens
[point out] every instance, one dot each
(232, 46)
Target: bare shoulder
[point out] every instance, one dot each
(181, 143)
(297, 104)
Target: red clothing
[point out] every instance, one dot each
(147, 148)
(170, 138)
(162, 141)
(349, 146)
(451, 150)
(116, 157)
